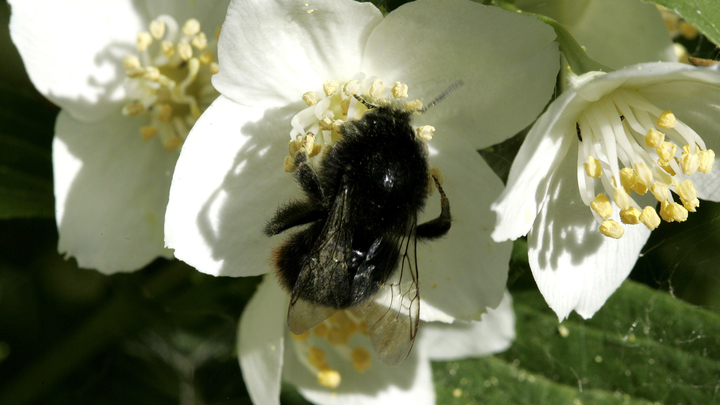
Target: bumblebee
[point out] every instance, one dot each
(357, 249)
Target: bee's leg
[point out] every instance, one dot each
(298, 212)
(439, 226)
(307, 177)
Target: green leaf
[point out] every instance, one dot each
(26, 130)
(643, 347)
(703, 14)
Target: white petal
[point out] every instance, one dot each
(458, 340)
(465, 271)
(229, 181)
(507, 61)
(407, 383)
(210, 13)
(574, 265)
(73, 50)
(111, 189)
(533, 169)
(272, 52)
(260, 343)
(616, 33)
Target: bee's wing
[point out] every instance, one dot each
(304, 315)
(330, 254)
(392, 316)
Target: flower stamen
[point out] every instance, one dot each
(324, 116)
(631, 146)
(334, 333)
(169, 81)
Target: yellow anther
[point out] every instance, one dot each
(132, 109)
(315, 150)
(310, 98)
(351, 88)
(621, 198)
(329, 378)
(593, 168)
(630, 216)
(666, 120)
(400, 90)
(687, 30)
(425, 132)
(157, 29)
(666, 150)
(628, 178)
(602, 206)
(660, 191)
(665, 164)
(413, 105)
(214, 68)
(164, 113)
(152, 73)
(167, 48)
(172, 143)
(326, 124)
(301, 337)
(330, 87)
(317, 358)
(144, 39)
(654, 138)
(650, 218)
(131, 62)
(688, 195)
(612, 229)
(206, 57)
(706, 160)
(644, 174)
(184, 50)
(199, 41)
(289, 165)
(689, 161)
(308, 143)
(337, 124)
(673, 212)
(376, 88)
(148, 132)
(191, 27)
(293, 147)
(321, 330)
(360, 359)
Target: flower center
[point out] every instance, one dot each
(335, 333)
(169, 79)
(317, 127)
(624, 129)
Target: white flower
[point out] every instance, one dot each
(347, 371)
(230, 180)
(89, 58)
(619, 143)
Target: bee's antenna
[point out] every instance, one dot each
(364, 102)
(442, 95)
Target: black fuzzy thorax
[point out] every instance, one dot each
(385, 168)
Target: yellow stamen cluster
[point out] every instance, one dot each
(336, 331)
(328, 110)
(663, 177)
(169, 79)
